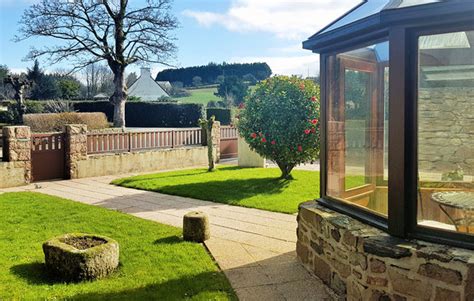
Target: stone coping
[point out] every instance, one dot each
(365, 263)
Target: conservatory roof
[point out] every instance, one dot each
(377, 13)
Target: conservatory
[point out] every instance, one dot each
(397, 137)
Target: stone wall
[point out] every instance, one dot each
(16, 170)
(139, 162)
(446, 129)
(363, 263)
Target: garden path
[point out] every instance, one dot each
(254, 248)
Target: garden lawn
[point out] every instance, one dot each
(155, 263)
(248, 187)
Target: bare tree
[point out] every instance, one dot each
(104, 30)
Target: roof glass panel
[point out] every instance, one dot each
(372, 7)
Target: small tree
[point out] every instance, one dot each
(233, 90)
(69, 88)
(19, 84)
(280, 121)
(197, 81)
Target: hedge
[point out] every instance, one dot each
(222, 115)
(54, 122)
(149, 114)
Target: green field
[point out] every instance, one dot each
(202, 96)
(155, 263)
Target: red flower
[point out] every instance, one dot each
(242, 106)
(307, 131)
(302, 87)
(273, 142)
(313, 130)
(253, 135)
(314, 98)
(314, 121)
(264, 140)
(300, 148)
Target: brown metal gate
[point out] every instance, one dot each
(47, 156)
(229, 142)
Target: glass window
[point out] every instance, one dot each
(357, 131)
(446, 131)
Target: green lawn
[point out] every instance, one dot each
(249, 187)
(155, 263)
(202, 96)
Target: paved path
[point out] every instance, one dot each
(254, 248)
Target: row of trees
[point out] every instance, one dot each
(215, 73)
(92, 80)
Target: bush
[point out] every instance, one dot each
(233, 90)
(280, 121)
(221, 114)
(5, 117)
(32, 107)
(56, 121)
(149, 114)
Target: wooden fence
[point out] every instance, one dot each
(98, 143)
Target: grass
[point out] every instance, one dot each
(201, 96)
(155, 263)
(248, 187)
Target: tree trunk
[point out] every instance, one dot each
(286, 169)
(210, 147)
(119, 98)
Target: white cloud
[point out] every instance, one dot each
(291, 19)
(303, 65)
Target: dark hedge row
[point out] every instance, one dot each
(148, 114)
(210, 72)
(222, 115)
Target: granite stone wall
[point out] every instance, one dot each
(360, 262)
(16, 170)
(446, 129)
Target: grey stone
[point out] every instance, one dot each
(386, 246)
(72, 264)
(196, 227)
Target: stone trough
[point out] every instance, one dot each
(77, 257)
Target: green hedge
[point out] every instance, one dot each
(222, 115)
(5, 117)
(148, 114)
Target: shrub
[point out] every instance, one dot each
(56, 121)
(58, 106)
(32, 107)
(221, 114)
(150, 114)
(5, 117)
(280, 121)
(233, 90)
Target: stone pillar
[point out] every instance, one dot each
(17, 148)
(216, 140)
(76, 148)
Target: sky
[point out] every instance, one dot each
(240, 31)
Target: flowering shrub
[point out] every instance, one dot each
(280, 121)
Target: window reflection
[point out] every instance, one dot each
(446, 131)
(357, 131)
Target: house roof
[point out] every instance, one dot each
(146, 88)
(373, 14)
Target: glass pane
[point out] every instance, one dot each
(357, 116)
(446, 131)
(358, 127)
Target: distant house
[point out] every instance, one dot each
(146, 88)
(101, 96)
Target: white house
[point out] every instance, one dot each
(146, 88)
